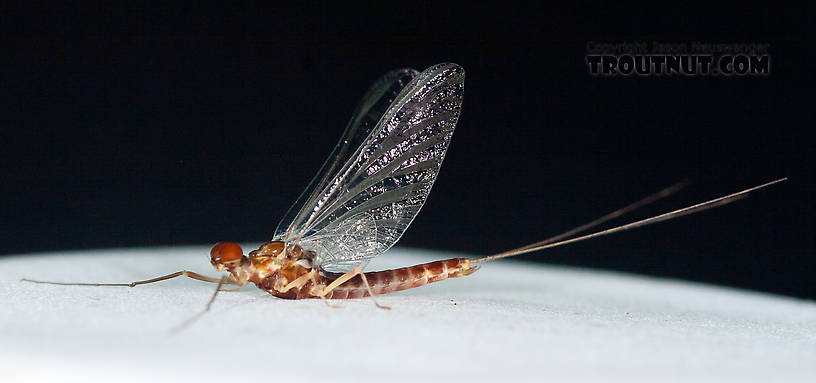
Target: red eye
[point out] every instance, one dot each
(226, 252)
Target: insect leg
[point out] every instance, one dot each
(351, 274)
(188, 322)
(185, 273)
(318, 290)
(234, 289)
(299, 281)
(371, 292)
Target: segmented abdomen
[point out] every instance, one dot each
(384, 282)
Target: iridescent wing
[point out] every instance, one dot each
(361, 207)
(369, 111)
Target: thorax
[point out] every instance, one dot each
(272, 268)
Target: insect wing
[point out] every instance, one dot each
(369, 111)
(366, 206)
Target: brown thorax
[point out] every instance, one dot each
(269, 267)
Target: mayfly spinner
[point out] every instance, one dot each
(368, 192)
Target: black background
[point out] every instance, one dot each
(159, 126)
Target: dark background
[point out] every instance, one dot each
(160, 126)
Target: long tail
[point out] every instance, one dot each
(546, 244)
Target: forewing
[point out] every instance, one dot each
(364, 120)
(369, 203)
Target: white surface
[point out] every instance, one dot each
(510, 320)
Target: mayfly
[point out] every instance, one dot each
(366, 195)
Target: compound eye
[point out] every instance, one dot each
(224, 252)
